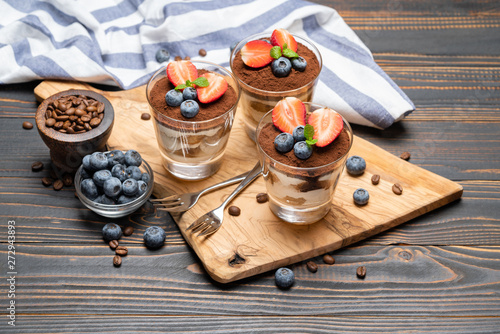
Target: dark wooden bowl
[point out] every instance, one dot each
(68, 150)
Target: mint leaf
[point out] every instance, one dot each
(285, 46)
(311, 142)
(201, 82)
(309, 134)
(289, 53)
(275, 52)
(181, 86)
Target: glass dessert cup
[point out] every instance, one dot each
(257, 102)
(300, 195)
(193, 150)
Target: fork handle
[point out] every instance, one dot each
(224, 183)
(252, 175)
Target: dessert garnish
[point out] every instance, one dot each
(189, 87)
(289, 113)
(281, 53)
(327, 124)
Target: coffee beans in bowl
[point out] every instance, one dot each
(114, 183)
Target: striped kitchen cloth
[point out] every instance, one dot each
(115, 42)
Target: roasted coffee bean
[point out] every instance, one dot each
(262, 197)
(177, 58)
(62, 118)
(117, 261)
(101, 116)
(50, 122)
(234, 210)
(63, 131)
(67, 179)
(80, 112)
(375, 179)
(85, 102)
(91, 109)
(62, 107)
(121, 250)
(145, 116)
(37, 166)
(66, 124)
(100, 107)
(71, 111)
(85, 118)
(58, 125)
(73, 118)
(397, 189)
(187, 58)
(70, 130)
(58, 185)
(47, 181)
(94, 114)
(202, 52)
(128, 230)
(405, 156)
(328, 259)
(361, 272)
(312, 266)
(87, 127)
(95, 122)
(27, 125)
(79, 122)
(48, 114)
(113, 244)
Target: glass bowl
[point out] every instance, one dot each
(116, 210)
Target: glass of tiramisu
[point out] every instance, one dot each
(272, 66)
(193, 104)
(303, 148)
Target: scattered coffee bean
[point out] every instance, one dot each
(361, 272)
(27, 125)
(121, 250)
(58, 185)
(117, 261)
(37, 166)
(375, 179)
(177, 58)
(397, 189)
(128, 230)
(234, 210)
(262, 197)
(405, 156)
(74, 114)
(47, 181)
(187, 58)
(67, 180)
(328, 259)
(113, 244)
(312, 266)
(202, 52)
(145, 116)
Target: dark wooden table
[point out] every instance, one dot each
(437, 273)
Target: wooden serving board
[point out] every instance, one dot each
(257, 241)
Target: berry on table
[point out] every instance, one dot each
(162, 55)
(281, 67)
(189, 108)
(283, 142)
(133, 158)
(154, 237)
(327, 125)
(174, 98)
(361, 196)
(302, 150)
(298, 133)
(284, 278)
(299, 64)
(355, 165)
(111, 231)
(289, 113)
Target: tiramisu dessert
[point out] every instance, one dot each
(271, 67)
(303, 148)
(193, 105)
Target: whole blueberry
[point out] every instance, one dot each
(89, 189)
(98, 161)
(111, 231)
(141, 187)
(86, 163)
(103, 199)
(302, 150)
(283, 142)
(115, 157)
(133, 172)
(101, 176)
(174, 98)
(123, 199)
(189, 93)
(189, 108)
(355, 165)
(299, 64)
(281, 67)
(119, 171)
(298, 133)
(361, 196)
(133, 158)
(162, 55)
(112, 187)
(145, 177)
(85, 174)
(284, 278)
(130, 187)
(154, 237)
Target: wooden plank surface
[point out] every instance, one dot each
(457, 238)
(257, 238)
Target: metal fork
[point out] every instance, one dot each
(211, 221)
(184, 202)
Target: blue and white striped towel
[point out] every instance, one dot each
(115, 42)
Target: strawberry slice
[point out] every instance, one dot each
(178, 72)
(217, 86)
(281, 36)
(256, 53)
(288, 114)
(327, 125)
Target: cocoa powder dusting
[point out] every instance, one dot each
(264, 79)
(207, 110)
